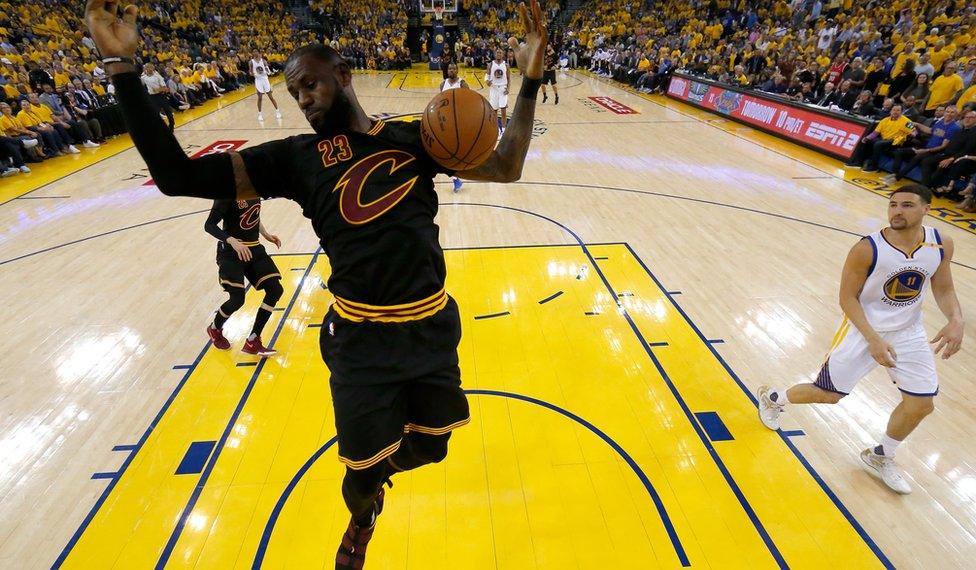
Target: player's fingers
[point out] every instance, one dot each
(526, 20)
(513, 42)
(92, 5)
(129, 14)
(537, 16)
(942, 344)
(937, 338)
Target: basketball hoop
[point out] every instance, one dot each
(438, 13)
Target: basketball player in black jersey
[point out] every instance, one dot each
(549, 75)
(390, 339)
(241, 256)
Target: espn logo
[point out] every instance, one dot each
(832, 135)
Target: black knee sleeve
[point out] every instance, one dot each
(273, 292)
(235, 302)
(432, 448)
(359, 488)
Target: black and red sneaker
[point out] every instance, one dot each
(217, 337)
(352, 549)
(256, 348)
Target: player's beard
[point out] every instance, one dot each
(338, 117)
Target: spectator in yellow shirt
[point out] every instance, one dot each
(890, 133)
(939, 55)
(54, 143)
(945, 88)
(968, 96)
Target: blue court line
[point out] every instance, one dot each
(41, 197)
(247, 363)
(124, 448)
(715, 341)
(714, 426)
(550, 297)
(729, 479)
(662, 512)
(104, 476)
(128, 460)
(195, 457)
(324, 285)
(298, 269)
(103, 234)
(208, 469)
(700, 201)
(522, 246)
(672, 292)
(278, 309)
(796, 452)
(591, 313)
(792, 433)
(315, 325)
(492, 315)
(182, 367)
(625, 294)
(656, 344)
(600, 258)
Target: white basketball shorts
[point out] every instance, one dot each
(262, 85)
(849, 360)
(497, 97)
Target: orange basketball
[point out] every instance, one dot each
(459, 129)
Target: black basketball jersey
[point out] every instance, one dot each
(240, 219)
(549, 61)
(370, 197)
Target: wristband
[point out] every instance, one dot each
(530, 88)
(120, 59)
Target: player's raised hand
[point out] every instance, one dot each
(114, 33)
(530, 53)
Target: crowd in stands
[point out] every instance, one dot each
(904, 62)
(53, 88)
(370, 35)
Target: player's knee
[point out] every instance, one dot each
(433, 448)
(833, 397)
(273, 292)
(922, 407)
(363, 482)
(236, 300)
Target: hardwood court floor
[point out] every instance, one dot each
(612, 421)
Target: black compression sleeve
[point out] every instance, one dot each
(173, 172)
(211, 225)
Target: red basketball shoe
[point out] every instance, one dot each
(352, 549)
(256, 348)
(217, 336)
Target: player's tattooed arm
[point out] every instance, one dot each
(505, 164)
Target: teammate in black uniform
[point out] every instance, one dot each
(241, 256)
(549, 75)
(390, 339)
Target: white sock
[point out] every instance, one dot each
(780, 397)
(252, 336)
(888, 445)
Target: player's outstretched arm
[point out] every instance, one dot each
(505, 164)
(950, 337)
(216, 176)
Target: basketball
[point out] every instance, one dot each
(459, 129)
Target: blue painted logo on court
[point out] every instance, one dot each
(904, 286)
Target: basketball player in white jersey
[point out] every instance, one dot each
(499, 80)
(881, 290)
(453, 82)
(259, 69)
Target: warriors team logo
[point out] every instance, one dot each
(728, 102)
(499, 73)
(904, 286)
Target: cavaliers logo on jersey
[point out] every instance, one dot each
(251, 216)
(353, 182)
(904, 286)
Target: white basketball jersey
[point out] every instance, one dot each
(447, 85)
(259, 68)
(498, 73)
(896, 283)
